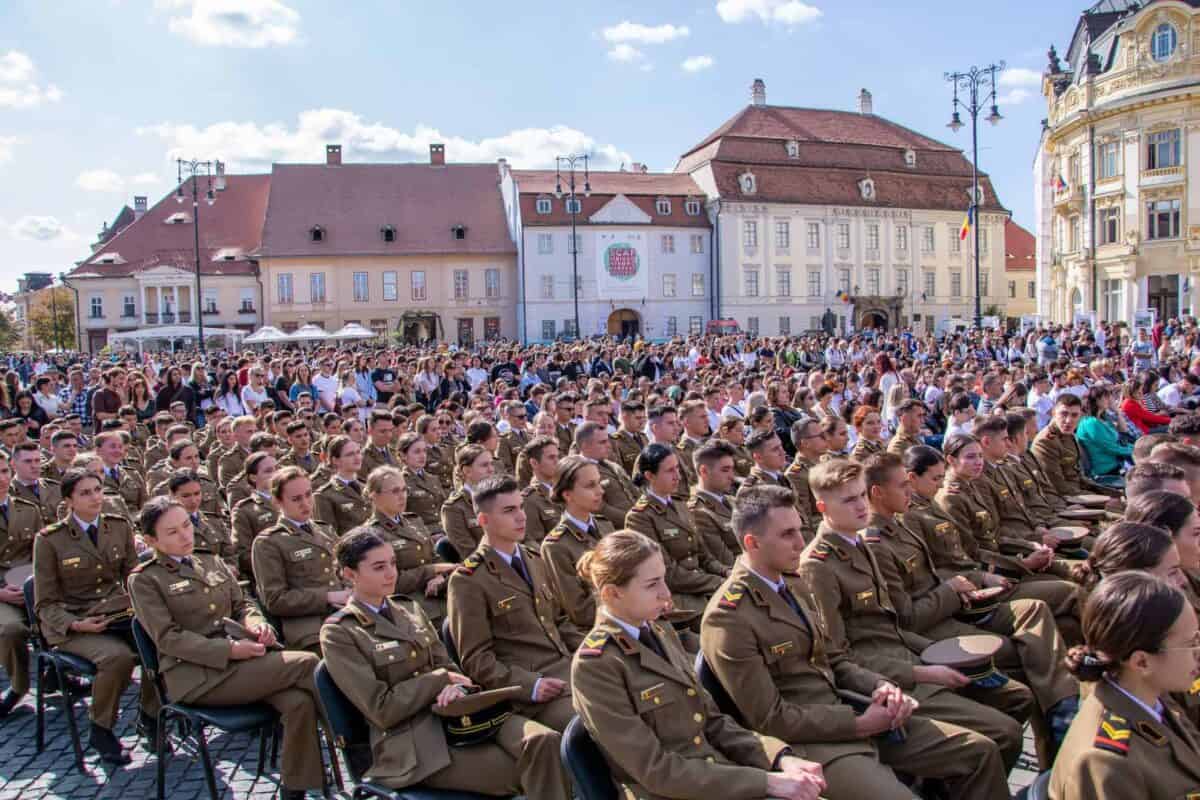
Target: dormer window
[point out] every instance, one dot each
(388, 232)
(109, 258)
(662, 207)
(793, 148)
(544, 206)
(692, 207)
(1162, 42)
(459, 232)
(573, 205)
(316, 233)
(178, 218)
(910, 158)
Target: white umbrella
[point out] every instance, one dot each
(353, 331)
(266, 335)
(309, 332)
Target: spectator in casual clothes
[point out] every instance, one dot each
(73, 398)
(175, 390)
(108, 400)
(1099, 437)
(1173, 394)
(1143, 419)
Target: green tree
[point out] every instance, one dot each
(10, 338)
(49, 303)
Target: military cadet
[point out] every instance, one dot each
(837, 437)
(426, 492)
(911, 417)
(381, 430)
(293, 563)
(231, 463)
(184, 455)
(211, 532)
(733, 430)
(182, 597)
(505, 618)
(711, 502)
(543, 425)
(340, 502)
(593, 443)
(472, 463)
(693, 573)
(1024, 471)
(578, 488)
(422, 576)
(1057, 451)
(1129, 741)
(20, 521)
(635, 690)
(1016, 520)
(256, 513)
(12, 431)
(770, 460)
(158, 472)
(771, 650)
(28, 484)
(541, 512)
(224, 441)
(207, 439)
(386, 657)
(664, 430)
(868, 423)
(514, 439)
(78, 563)
(630, 438)
(1184, 456)
(299, 452)
(809, 440)
(852, 597)
(439, 460)
(64, 446)
(117, 478)
(564, 421)
(693, 419)
(156, 446)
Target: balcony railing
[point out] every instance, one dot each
(168, 317)
(246, 309)
(210, 310)
(151, 317)
(185, 316)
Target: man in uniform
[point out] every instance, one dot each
(733, 430)
(64, 446)
(772, 652)
(231, 463)
(20, 521)
(693, 417)
(256, 513)
(504, 616)
(1057, 451)
(619, 492)
(514, 439)
(630, 439)
(184, 455)
(911, 416)
(27, 483)
(809, 441)
(377, 453)
(299, 452)
(770, 461)
(711, 502)
(564, 421)
(541, 513)
(118, 478)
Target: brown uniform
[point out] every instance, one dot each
(305, 461)
(129, 486)
(392, 670)
(775, 659)
(713, 516)
(46, 494)
(182, 606)
(251, 517)
(459, 523)
(692, 572)
(660, 732)
(20, 521)
(686, 449)
(213, 536)
(425, 498)
(509, 632)
(806, 503)
(213, 461)
(440, 461)
(71, 574)
(295, 570)
(619, 493)
(511, 443)
(901, 441)
(212, 497)
(759, 476)
(1058, 455)
(541, 513)
(1115, 750)
(561, 550)
(341, 505)
(1028, 477)
(626, 445)
(742, 462)
(865, 448)
(231, 465)
(565, 434)
(415, 558)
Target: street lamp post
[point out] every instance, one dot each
(571, 162)
(196, 170)
(54, 313)
(980, 85)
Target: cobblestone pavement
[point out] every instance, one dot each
(27, 775)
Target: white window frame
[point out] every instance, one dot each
(697, 243)
(813, 232)
(750, 283)
(783, 281)
(750, 234)
(668, 243)
(545, 242)
(928, 240)
(129, 305)
(391, 291)
(669, 284)
(955, 283)
(417, 286)
(362, 287)
(491, 284)
(317, 292)
(662, 207)
(462, 284)
(544, 205)
(814, 283)
(96, 306)
(697, 284)
(547, 287)
(284, 288)
(783, 235)
(843, 236)
(692, 208)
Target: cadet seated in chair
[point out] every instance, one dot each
(340, 503)
(385, 656)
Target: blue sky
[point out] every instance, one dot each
(98, 96)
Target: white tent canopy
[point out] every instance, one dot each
(171, 333)
(266, 335)
(309, 332)
(353, 331)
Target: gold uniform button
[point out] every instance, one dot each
(657, 701)
(710, 759)
(212, 606)
(697, 740)
(698, 717)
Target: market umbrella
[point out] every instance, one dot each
(353, 331)
(308, 333)
(266, 335)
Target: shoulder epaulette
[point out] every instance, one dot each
(871, 536)
(642, 504)
(53, 527)
(593, 645)
(731, 596)
(555, 533)
(1113, 734)
(140, 566)
(339, 615)
(117, 517)
(527, 491)
(15, 499)
(821, 552)
(470, 564)
(614, 435)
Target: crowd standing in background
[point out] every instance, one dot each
(829, 565)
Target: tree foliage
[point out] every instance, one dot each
(10, 337)
(41, 318)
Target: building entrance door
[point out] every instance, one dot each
(466, 332)
(625, 323)
(1163, 295)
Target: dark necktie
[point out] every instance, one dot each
(93, 533)
(355, 487)
(116, 474)
(386, 613)
(593, 531)
(36, 492)
(518, 564)
(647, 637)
(4, 511)
(186, 561)
(789, 598)
(307, 528)
(195, 520)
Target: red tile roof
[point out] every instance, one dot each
(641, 189)
(1021, 247)
(124, 217)
(352, 203)
(235, 222)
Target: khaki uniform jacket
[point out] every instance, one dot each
(213, 537)
(212, 496)
(1028, 475)
(1058, 456)
(376, 457)
(541, 513)
(294, 570)
(130, 486)
(425, 497)
(340, 505)
(900, 443)
(156, 451)
(660, 732)
(923, 602)
(507, 633)
(251, 517)
(459, 522)
(1015, 520)
(51, 472)
(305, 461)
(231, 465)
(1116, 751)
(181, 608)
(626, 446)
(713, 517)
(213, 462)
(561, 550)
(19, 527)
(971, 506)
(392, 673)
(692, 572)
(852, 598)
(48, 496)
(566, 437)
(806, 504)
(511, 443)
(440, 461)
(942, 536)
(779, 670)
(865, 448)
(759, 476)
(619, 492)
(742, 462)
(415, 556)
(686, 450)
(71, 574)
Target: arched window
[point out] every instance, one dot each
(1162, 42)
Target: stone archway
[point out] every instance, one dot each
(624, 323)
(872, 318)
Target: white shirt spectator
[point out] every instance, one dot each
(1042, 404)
(232, 404)
(252, 398)
(1170, 395)
(327, 387)
(48, 403)
(476, 376)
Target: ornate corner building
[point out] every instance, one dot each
(1113, 187)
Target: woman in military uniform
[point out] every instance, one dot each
(868, 424)
(1130, 546)
(385, 656)
(438, 458)
(340, 502)
(633, 686)
(1129, 740)
(20, 521)
(425, 492)
(472, 463)
(1178, 516)
(421, 576)
(578, 489)
(256, 513)
(181, 597)
(693, 574)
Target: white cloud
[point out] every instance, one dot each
(1019, 76)
(7, 146)
(787, 12)
(18, 89)
(697, 63)
(100, 180)
(39, 229)
(233, 23)
(1013, 97)
(144, 179)
(644, 34)
(250, 147)
(625, 54)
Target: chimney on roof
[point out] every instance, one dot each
(437, 155)
(139, 206)
(758, 92)
(864, 102)
(333, 155)
(219, 183)
(502, 165)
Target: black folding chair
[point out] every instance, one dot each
(583, 760)
(448, 642)
(446, 551)
(258, 718)
(712, 685)
(62, 666)
(353, 738)
(1038, 790)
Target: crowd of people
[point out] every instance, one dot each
(799, 567)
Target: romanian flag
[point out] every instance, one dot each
(967, 222)
(1059, 183)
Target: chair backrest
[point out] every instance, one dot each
(589, 769)
(350, 730)
(30, 612)
(447, 551)
(448, 642)
(147, 652)
(712, 685)
(1040, 788)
